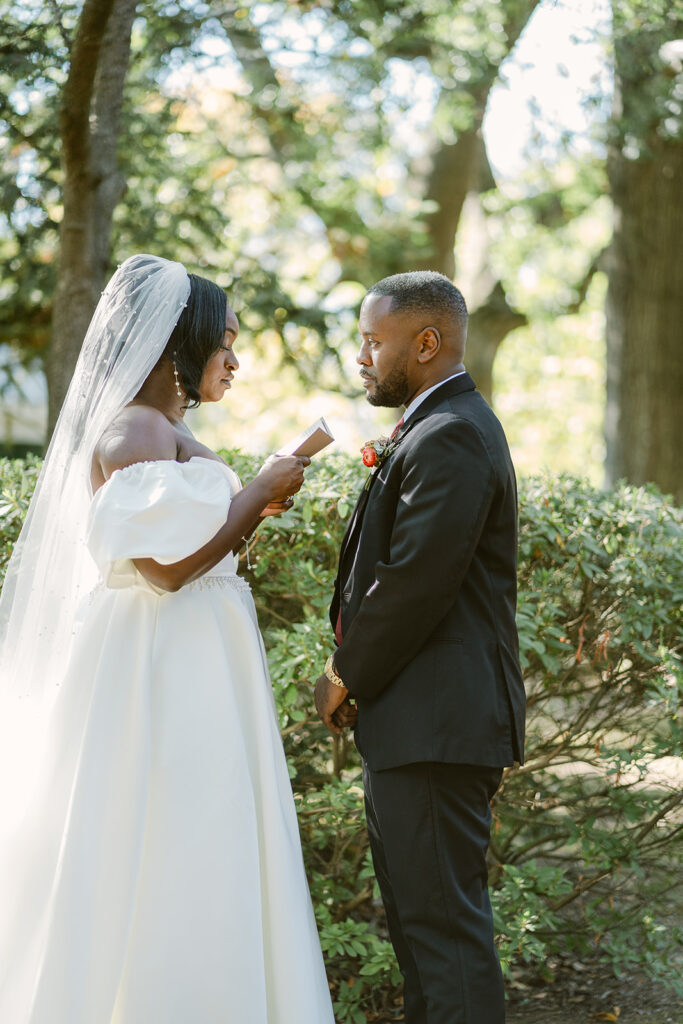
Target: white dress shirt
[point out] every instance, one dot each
(416, 402)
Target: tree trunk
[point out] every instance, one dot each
(89, 127)
(110, 183)
(454, 174)
(459, 170)
(489, 324)
(644, 305)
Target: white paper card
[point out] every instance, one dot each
(310, 441)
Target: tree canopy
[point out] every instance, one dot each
(297, 153)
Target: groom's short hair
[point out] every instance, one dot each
(423, 291)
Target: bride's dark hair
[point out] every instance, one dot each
(197, 335)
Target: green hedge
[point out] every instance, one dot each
(584, 835)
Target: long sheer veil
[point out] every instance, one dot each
(51, 572)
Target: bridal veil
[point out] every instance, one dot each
(51, 572)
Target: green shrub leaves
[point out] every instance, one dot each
(584, 834)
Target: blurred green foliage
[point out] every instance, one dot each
(286, 151)
(17, 480)
(278, 149)
(585, 834)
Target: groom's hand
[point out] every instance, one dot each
(346, 714)
(329, 697)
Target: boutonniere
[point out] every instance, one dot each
(375, 453)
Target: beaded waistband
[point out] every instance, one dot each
(209, 582)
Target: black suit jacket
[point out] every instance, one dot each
(427, 590)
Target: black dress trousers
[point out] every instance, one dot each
(429, 827)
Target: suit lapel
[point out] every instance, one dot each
(355, 519)
(357, 514)
(449, 390)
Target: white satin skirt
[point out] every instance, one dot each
(150, 867)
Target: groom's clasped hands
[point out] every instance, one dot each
(334, 704)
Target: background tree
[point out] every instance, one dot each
(387, 210)
(293, 151)
(370, 231)
(89, 125)
(645, 296)
(67, 65)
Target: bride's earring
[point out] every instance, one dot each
(177, 380)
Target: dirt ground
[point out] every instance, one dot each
(582, 994)
(586, 994)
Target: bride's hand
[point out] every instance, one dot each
(285, 475)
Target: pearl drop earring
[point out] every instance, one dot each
(177, 379)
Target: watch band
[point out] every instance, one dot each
(331, 672)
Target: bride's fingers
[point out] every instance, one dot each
(276, 508)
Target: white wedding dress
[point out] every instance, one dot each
(165, 885)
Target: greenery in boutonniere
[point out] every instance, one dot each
(375, 453)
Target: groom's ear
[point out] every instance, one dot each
(428, 344)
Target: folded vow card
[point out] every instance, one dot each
(310, 441)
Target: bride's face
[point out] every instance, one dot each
(222, 365)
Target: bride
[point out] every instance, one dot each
(150, 863)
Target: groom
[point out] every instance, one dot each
(424, 616)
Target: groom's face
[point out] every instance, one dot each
(384, 355)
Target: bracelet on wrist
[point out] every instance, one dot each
(331, 672)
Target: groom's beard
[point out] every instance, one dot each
(393, 391)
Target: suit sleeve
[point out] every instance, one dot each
(445, 494)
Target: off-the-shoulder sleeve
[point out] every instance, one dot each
(163, 510)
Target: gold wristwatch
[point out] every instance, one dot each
(331, 672)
